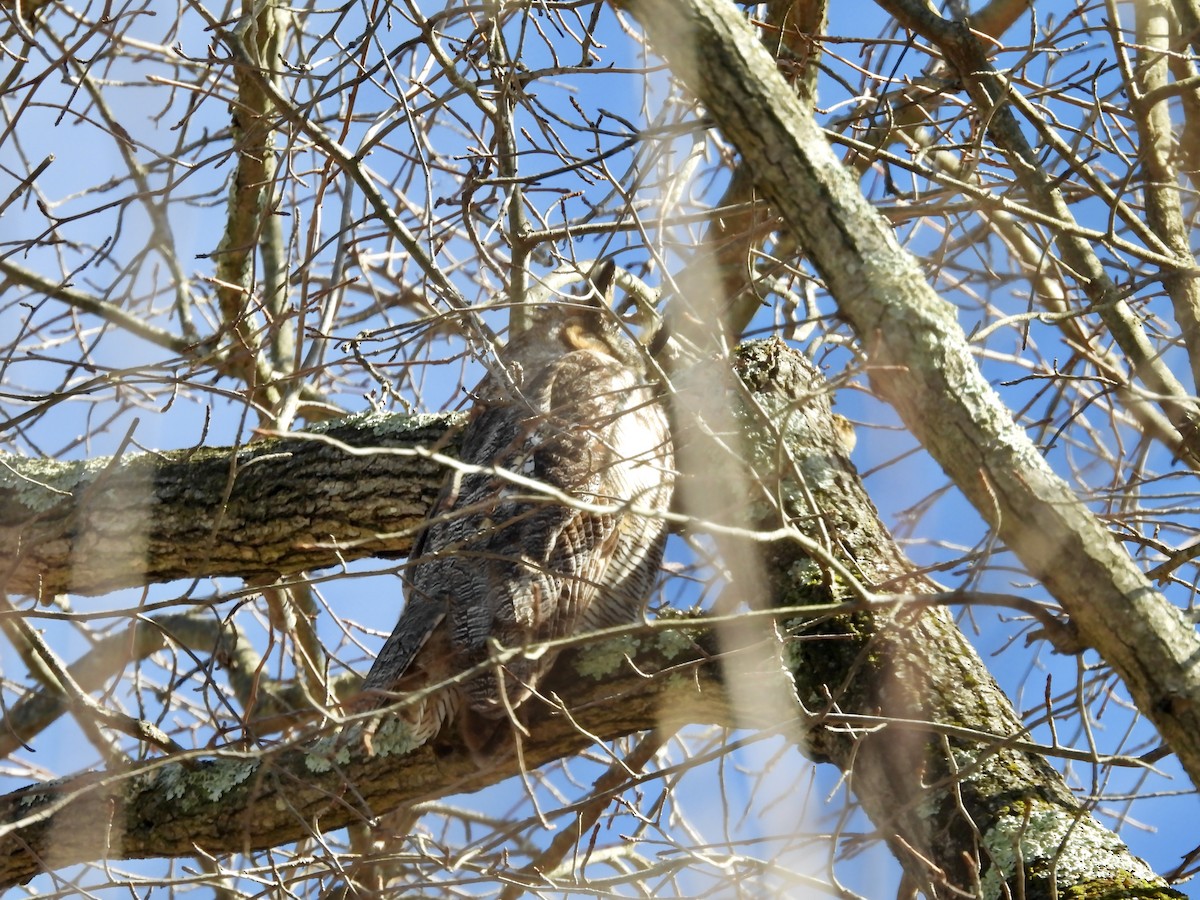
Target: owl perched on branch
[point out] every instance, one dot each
(544, 533)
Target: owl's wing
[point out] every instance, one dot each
(441, 572)
(422, 614)
(539, 564)
(418, 621)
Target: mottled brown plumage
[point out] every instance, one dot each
(569, 407)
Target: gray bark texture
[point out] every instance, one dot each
(890, 692)
(921, 363)
(273, 507)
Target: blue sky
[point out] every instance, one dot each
(166, 125)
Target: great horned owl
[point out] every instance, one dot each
(519, 560)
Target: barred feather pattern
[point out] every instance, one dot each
(503, 561)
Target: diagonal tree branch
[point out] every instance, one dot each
(922, 365)
(994, 98)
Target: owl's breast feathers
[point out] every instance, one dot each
(507, 561)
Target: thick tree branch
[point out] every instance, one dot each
(239, 802)
(887, 665)
(271, 508)
(661, 678)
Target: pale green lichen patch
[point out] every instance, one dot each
(677, 681)
(1077, 847)
(606, 658)
(41, 484)
(805, 571)
(367, 418)
(211, 782)
(225, 776)
(381, 423)
(394, 737)
(415, 420)
(328, 751)
(675, 642)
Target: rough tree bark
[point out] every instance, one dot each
(889, 691)
(270, 508)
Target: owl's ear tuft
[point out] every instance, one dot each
(604, 283)
(635, 316)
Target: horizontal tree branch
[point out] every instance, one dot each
(603, 688)
(273, 507)
(240, 802)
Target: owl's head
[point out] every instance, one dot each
(590, 320)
